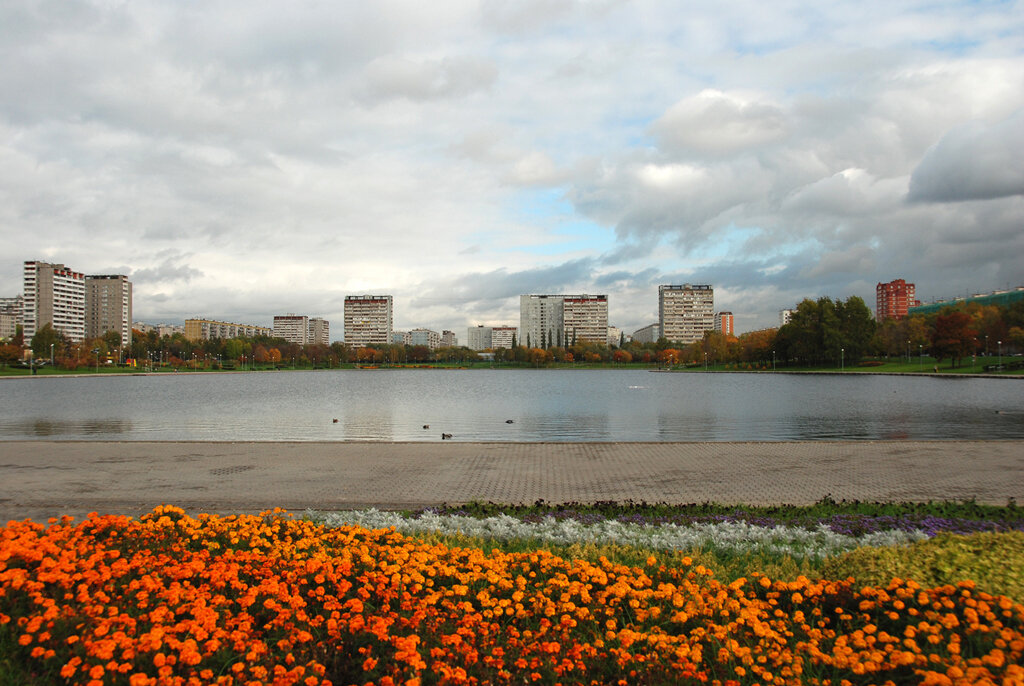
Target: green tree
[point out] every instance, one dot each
(857, 328)
(44, 338)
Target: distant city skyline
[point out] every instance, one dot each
(239, 161)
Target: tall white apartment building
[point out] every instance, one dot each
(108, 306)
(685, 312)
(368, 320)
(319, 331)
(448, 339)
(55, 295)
(503, 336)
(431, 339)
(209, 329)
(491, 337)
(547, 320)
(585, 318)
(785, 317)
(478, 337)
(293, 328)
(10, 315)
(648, 334)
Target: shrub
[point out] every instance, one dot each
(994, 561)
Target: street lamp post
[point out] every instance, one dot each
(51, 354)
(908, 351)
(920, 357)
(1000, 344)
(96, 352)
(842, 359)
(773, 360)
(705, 361)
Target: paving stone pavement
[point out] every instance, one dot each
(42, 479)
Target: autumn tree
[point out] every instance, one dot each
(953, 337)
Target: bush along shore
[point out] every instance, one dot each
(610, 594)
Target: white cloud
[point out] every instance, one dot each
(243, 158)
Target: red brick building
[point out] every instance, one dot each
(892, 299)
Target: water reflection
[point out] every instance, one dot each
(544, 405)
(46, 428)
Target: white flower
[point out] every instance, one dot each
(735, 537)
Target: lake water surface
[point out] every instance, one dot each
(543, 405)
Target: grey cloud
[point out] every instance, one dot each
(397, 77)
(627, 279)
(975, 161)
(713, 122)
(501, 283)
(165, 272)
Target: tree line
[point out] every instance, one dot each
(822, 332)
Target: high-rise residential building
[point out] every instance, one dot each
(685, 312)
(108, 306)
(724, 323)
(431, 339)
(10, 316)
(54, 295)
(448, 339)
(785, 317)
(503, 337)
(478, 337)
(368, 320)
(585, 318)
(293, 328)
(893, 299)
(319, 331)
(549, 320)
(648, 334)
(209, 329)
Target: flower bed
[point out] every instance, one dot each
(172, 599)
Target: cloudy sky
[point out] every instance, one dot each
(243, 159)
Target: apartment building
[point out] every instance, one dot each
(431, 339)
(209, 329)
(648, 334)
(785, 317)
(368, 320)
(448, 339)
(504, 337)
(108, 306)
(893, 299)
(293, 328)
(686, 311)
(491, 337)
(724, 323)
(10, 316)
(54, 295)
(319, 331)
(585, 318)
(548, 320)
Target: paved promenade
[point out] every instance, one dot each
(41, 479)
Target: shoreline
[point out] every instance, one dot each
(43, 479)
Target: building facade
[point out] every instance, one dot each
(293, 328)
(108, 306)
(785, 317)
(894, 299)
(431, 339)
(648, 334)
(1002, 298)
(724, 323)
(685, 312)
(10, 316)
(478, 337)
(209, 329)
(54, 295)
(448, 339)
(585, 319)
(368, 320)
(504, 337)
(319, 331)
(549, 320)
